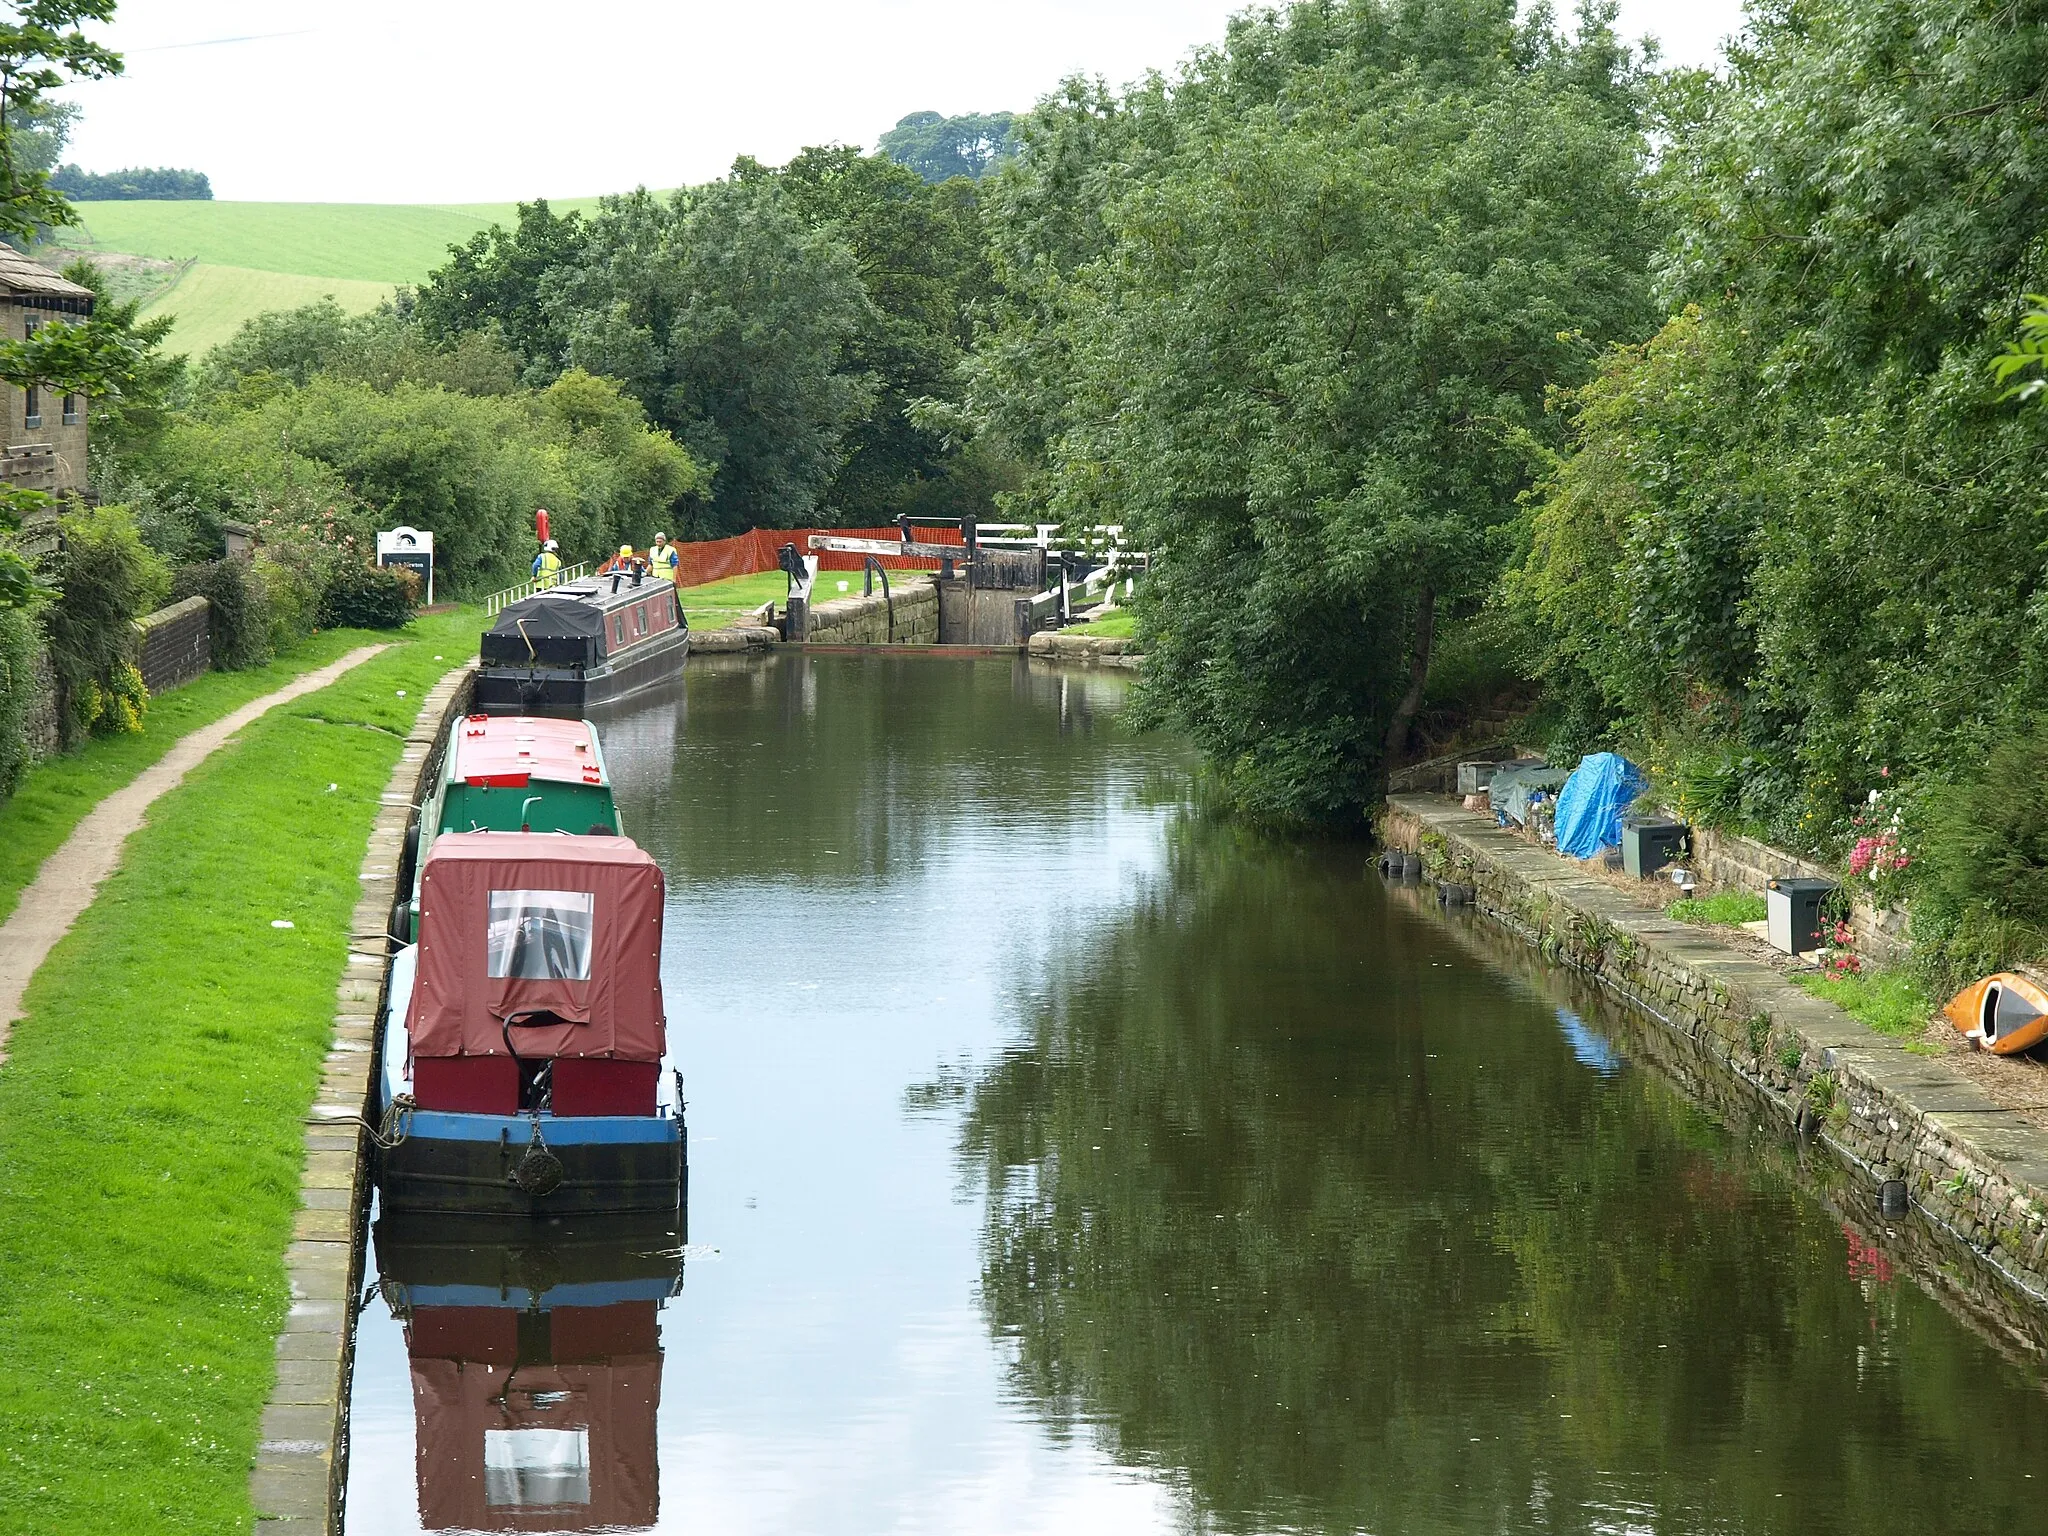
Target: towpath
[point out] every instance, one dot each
(64, 887)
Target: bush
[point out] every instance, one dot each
(369, 597)
(238, 612)
(295, 566)
(20, 640)
(107, 578)
(1981, 898)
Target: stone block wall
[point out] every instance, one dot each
(1974, 1170)
(172, 645)
(1086, 650)
(865, 620)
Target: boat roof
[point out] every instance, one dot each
(504, 746)
(577, 607)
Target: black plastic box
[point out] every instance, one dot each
(1647, 846)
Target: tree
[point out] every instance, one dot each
(940, 148)
(1295, 319)
(731, 321)
(41, 49)
(137, 182)
(494, 282)
(919, 251)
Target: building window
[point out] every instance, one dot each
(32, 408)
(74, 411)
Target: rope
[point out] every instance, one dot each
(397, 1123)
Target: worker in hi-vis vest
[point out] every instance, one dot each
(668, 565)
(547, 565)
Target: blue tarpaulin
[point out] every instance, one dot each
(1589, 806)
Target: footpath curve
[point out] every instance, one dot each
(69, 878)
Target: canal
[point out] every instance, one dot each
(1061, 1160)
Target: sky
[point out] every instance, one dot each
(489, 100)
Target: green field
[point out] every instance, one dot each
(252, 257)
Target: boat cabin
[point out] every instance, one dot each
(582, 623)
(538, 981)
(517, 773)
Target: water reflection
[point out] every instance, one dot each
(535, 1361)
(1285, 1196)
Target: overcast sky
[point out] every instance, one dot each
(489, 100)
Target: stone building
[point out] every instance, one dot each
(44, 444)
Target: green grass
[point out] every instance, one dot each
(253, 257)
(1121, 624)
(150, 1119)
(1729, 907)
(720, 603)
(211, 302)
(1890, 1002)
(56, 795)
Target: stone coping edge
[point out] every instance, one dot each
(1974, 1169)
(301, 1466)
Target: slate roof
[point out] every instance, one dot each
(18, 274)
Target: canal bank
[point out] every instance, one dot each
(151, 1116)
(1971, 1168)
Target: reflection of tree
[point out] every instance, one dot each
(1349, 1241)
(847, 770)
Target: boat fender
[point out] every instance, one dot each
(1891, 1198)
(538, 1171)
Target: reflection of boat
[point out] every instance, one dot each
(2008, 1012)
(568, 650)
(536, 1367)
(516, 773)
(524, 1035)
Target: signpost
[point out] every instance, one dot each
(412, 549)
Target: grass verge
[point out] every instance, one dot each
(1729, 907)
(55, 795)
(1890, 1002)
(150, 1118)
(1121, 624)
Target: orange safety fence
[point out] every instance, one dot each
(746, 553)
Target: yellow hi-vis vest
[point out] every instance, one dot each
(550, 568)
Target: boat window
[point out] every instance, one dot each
(533, 1468)
(540, 935)
(618, 629)
(640, 619)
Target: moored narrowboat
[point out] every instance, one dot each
(576, 647)
(515, 773)
(525, 1034)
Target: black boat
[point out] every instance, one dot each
(568, 650)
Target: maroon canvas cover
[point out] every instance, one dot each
(573, 926)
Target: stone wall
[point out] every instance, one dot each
(172, 645)
(865, 620)
(1732, 862)
(1976, 1171)
(1086, 650)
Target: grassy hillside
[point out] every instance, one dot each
(243, 258)
(211, 302)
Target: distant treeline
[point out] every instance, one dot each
(133, 185)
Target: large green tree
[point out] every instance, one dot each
(732, 321)
(1292, 317)
(941, 148)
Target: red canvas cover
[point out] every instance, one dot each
(574, 924)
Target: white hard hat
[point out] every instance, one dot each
(551, 544)
(660, 538)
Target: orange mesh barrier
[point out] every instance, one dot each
(755, 550)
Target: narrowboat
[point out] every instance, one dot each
(535, 1356)
(566, 651)
(515, 773)
(524, 1034)
(2006, 1013)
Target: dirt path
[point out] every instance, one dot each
(64, 887)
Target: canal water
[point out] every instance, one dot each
(1063, 1161)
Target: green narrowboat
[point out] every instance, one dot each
(516, 773)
